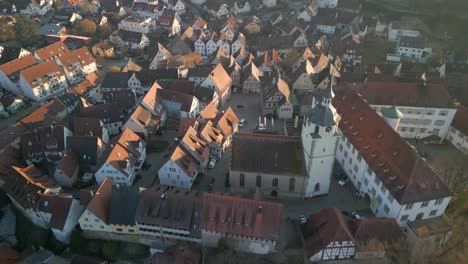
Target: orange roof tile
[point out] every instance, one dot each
(228, 122)
(55, 49)
(40, 71)
(100, 204)
(18, 64)
(221, 78)
(210, 112)
(82, 56)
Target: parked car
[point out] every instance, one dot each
(242, 123)
(261, 127)
(270, 116)
(355, 215)
(211, 163)
(343, 181)
(302, 219)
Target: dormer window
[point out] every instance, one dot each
(374, 155)
(366, 146)
(386, 170)
(381, 164)
(380, 135)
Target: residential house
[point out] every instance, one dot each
(42, 81)
(137, 24)
(328, 235)
(242, 222)
(326, 20)
(458, 131)
(266, 162)
(10, 72)
(396, 30)
(122, 210)
(169, 215)
(129, 39)
(89, 152)
(143, 123)
(33, 7)
(241, 7)
(313, 75)
(299, 39)
(269, 61)
(413, 48)
(327, 3)
(126, 157)
(107, 113)
(115, 81)
(77, 64)
(125, 99)
(45, 143)
(90, 127)
(9, 53)
(228, 124)
(217, 9)
(309, 12)
(220, 81)
(214, 138)
(51, 52)
(169, 23)
(253, 25)
(251, 79)
(179, 104)
(385, 168)
(276, 99)
(41, 201)
(178, 6)
(153, 103)
(143, 80)
(162, 54)
(66, 172)
(209, 113)
(196, 147)
(95, 217)
(199, 73)
(132, 66)
(53, 112)
(71, 101)
(103, 49)
(199, 24)
(180, 170)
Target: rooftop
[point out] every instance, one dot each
(265, 153)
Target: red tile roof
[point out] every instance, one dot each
(221, 78)
(8, 255)
(398, 165)
(384, 230)
(100, 204)
(195, 145)
(82, 56)
(184, 124)
(228, 122)
(51, 112)
(35, 177)
(460, 121)
(210, 112)
(241, 216)
(406, 94)
(18, 64)
(58, 205)
(68, 164)
(329, 225)
(185, 161)
(41, 71)
(56, 49)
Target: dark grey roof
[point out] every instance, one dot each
(86, 150)
(123, 207)
(203, 94)
(124, 98)
(322, 116)
(115, 80)
(69, 99)
(9, 53)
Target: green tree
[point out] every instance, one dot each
(6, 32)
(110, 249)
(104, 30)
(25, 30)
(85, 27)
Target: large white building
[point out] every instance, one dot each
(383, 167)
(427, 109)
(458, 132)
(137, 24)
(413, 48)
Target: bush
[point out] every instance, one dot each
(110, 249)
(222, 246)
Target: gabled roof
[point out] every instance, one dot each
(197, 147)
(123, 205)
(460, 121)
(323, 228)
(185, 100)
(58, 205)
(87, 126)
(231, 215)
(55, 49)
(34, 176)
(51, 112)
(40, 73)
(68, 164)
(17, 65)
(152, 100)
(210, 134)
(184, 160)
(407, 176)
(81, 56)
(221, 78)
(100, 204)
(383, 230)
(228, 122)
(120, 158)
(132, 142)
(184, 124)
(209, 113)
(406, 94)
(117, 80)
(105, 112)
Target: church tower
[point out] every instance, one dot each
(319, 141)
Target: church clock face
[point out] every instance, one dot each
(328, 129)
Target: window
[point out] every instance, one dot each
(439, 122)
(292, 181)
(242, 180)
(379, 200)
(383, 189)
(86, 219)
(348, 144)
(424, 204)
(356, 168)
(346, 154)
(386, 209)
(341, 147)
(373, 191)
(443, 113)
(275, 182)
(317, 187)
(366, 181)
(359, 158)
(369, 171)
(259, 181)
(119, 229)
(409, 206)
(404, 218)
(433, 212)
(438, 201)
(390, 197)
(377, 181)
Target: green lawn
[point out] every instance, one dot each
(375, 50)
